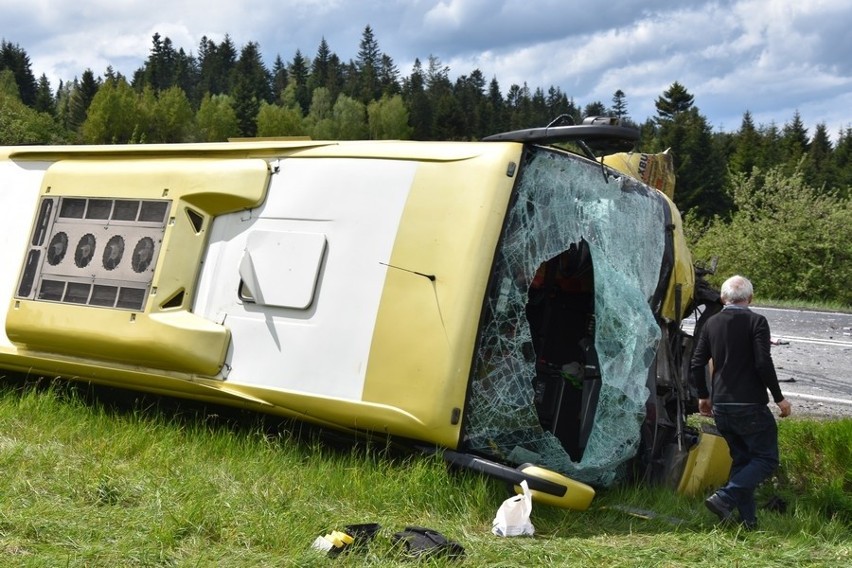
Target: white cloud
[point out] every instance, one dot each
(768, 56)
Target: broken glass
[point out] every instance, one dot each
(564, 203)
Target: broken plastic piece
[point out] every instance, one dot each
(362, 533)
(333, 543)
(420, 542)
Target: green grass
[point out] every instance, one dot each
(812, 305)
(149, 483)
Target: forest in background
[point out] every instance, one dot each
(769, 201)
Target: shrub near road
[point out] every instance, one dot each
(92, 484)
(791, 239)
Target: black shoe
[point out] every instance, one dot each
(749, 525)
(719, 507)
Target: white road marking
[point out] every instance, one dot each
(835, 342)
(825, 399)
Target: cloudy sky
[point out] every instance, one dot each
(771, 57)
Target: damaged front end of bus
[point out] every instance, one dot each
(579, 369)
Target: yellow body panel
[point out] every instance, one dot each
(683, 273)
(167, 337)
(578, 495)
(707, 465)
(426, 329)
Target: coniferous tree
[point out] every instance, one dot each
(747, 148)
(319, 75)
(160, 69)
(280, 77)
(418, 103)
(215, 66)
(82, 95)
(206, 56)
(388, 76)
(469, 91)
(649, 139)
(298, 74)
(513, 107)
(44, 101)
(558, 104)
(367, 66)
(16, 60)
(498, 121)
(699, 161)
(772, 154)
(448, 121)
(251, 87)
(187, 76)
(794, 142)
(675, 100)
(619, 105)
(539, 115)
(842, 157)
(336, 75)
(818, 167)
(595, 108)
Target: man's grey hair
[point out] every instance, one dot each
(736, 289)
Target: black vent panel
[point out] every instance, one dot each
(94, 251)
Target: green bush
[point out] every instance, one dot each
(791, 239)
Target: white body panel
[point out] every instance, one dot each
(356, 204)
(17, 209)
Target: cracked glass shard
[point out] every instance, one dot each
(567, 334)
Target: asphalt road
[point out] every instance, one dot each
(812, 352)
(813, 357)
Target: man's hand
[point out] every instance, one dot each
(705, 407)
(785, 407)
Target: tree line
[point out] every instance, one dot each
(222, 92)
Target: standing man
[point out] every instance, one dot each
(738, 340)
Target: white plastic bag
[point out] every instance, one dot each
(513, 516)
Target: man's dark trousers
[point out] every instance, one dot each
(752, 436)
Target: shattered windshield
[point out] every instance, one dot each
(567, 335)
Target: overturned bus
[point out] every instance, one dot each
(513, 306)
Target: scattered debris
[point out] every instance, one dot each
(513, 516)
(420, 542)
(646, 514)
(351, 537)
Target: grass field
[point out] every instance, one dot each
(148, 482)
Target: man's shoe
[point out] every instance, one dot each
(750, 525)
(719, 507)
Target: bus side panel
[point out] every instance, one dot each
(426, 330)
(319, 346)
(20, 184)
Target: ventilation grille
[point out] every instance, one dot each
(93, 251)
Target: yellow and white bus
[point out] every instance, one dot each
(510, 304)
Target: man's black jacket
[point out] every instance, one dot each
(738, 341)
